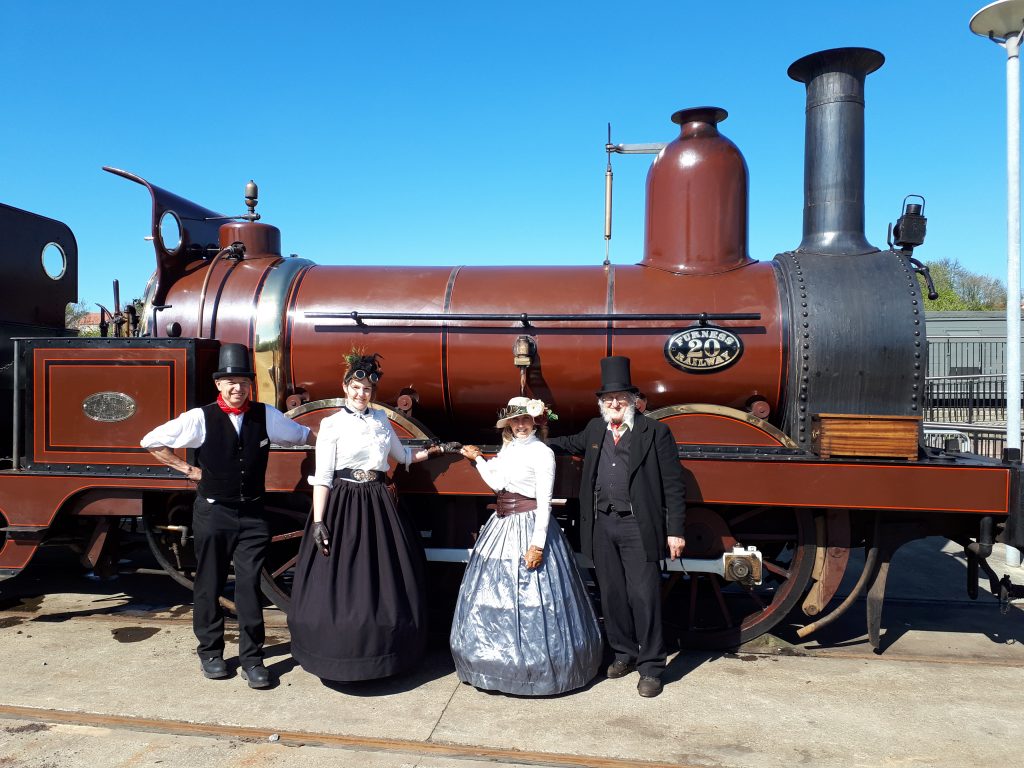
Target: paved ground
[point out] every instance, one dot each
(104, 674)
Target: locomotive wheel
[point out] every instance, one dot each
(287, 517)
(288, 514)
(703, 610)
(169, 533)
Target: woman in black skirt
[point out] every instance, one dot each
(358, 603)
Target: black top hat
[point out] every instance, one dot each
(234, 361)
(615, 375)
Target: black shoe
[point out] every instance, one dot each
(257, 676)
(213, 667)
(649, 687)
(619, 669)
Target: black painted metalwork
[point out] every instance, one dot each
(834, 149)
(866, 356)
(525, 318)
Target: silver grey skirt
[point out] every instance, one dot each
(530, 633)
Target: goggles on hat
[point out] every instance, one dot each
(360, 374)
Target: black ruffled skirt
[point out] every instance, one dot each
(360, 613)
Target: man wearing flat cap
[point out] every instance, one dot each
(631, 515)
(232, 438)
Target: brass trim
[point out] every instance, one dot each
(268, 329)
(730, 413)
(418, 430)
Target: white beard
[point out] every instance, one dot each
(628, 415)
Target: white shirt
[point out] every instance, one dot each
(525, 466)
(189, 430)
(354, 440)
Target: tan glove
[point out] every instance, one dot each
(534, 557)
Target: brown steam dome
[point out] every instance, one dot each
(697, 199)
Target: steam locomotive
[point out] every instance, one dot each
(793, 387)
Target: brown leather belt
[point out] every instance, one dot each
(513, 503)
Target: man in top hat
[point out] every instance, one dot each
(232, 438)
(631, 515)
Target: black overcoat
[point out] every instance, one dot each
(656, 487)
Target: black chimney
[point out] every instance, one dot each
(834, 149)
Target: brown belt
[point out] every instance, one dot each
(513, 503)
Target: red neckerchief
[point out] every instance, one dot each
(618, 430)
(229, 409)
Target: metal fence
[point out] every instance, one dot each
(967, 438)
(957, 356)
(965, 399)
(965, 394)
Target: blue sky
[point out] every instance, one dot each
(450, 133)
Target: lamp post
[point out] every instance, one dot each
(1002, 22)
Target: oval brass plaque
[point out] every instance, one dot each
(109, 406)
(703, 349)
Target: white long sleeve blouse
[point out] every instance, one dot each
(352, 440)
(525, 466)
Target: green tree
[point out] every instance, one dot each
(74, 313)
(960, 289)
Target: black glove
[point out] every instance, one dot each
(435, 448)
(322, 537)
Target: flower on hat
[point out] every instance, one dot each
(524, 406)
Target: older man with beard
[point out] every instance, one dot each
(631, 513)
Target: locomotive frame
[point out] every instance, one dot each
(770, 522)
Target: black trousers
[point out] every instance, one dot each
(224, 533)
(630, 593)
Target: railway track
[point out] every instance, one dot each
(401, 747)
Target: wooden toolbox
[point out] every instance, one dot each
(858, 435)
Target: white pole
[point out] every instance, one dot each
(1013, 372)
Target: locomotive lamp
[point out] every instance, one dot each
(1002, 22)
(523, 351)
(909, 230)
(908, 233)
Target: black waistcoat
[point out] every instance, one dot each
(611, 484)
(234, 465)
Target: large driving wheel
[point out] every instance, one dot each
(288, 514)
(168, 529)
(704, 611)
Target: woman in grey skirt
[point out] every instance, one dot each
(523, 623)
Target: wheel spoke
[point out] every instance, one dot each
(284, 512)
(754, 596)
(744, 516)
(776, 569)
(291, 562)
(693, 603)
(721, 601)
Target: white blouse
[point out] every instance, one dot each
(525, 466)
(354, 440)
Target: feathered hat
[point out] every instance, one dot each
(362, 367)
